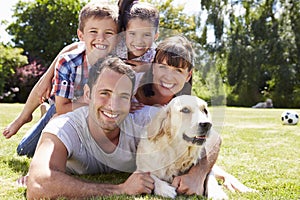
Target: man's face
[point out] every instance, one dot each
(100, 37)
(110, 100)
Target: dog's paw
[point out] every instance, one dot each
(214, 190)
(217, 194)
(165, 191)
(163, 188)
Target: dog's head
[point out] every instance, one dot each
(185, 117)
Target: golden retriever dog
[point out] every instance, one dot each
(175, 138)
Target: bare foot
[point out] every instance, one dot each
(22, 181)
(14, 126)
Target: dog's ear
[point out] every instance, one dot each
(160, 124)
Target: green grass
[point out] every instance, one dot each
(257, 149)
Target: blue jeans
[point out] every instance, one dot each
(29, 141)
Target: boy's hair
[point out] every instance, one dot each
(98, 10)
(131, 9)
(176, 51)
(113, 63)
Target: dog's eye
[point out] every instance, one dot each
(205, 111)
(185, 110)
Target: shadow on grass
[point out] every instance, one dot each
(113, 178)
(17, 165)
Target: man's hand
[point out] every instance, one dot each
(138, 183)
(189, 184)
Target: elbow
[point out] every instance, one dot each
(33, 191)
(38, 187)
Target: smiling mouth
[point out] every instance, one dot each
(167, 85)
(109, 115)
(198, 140)
(139, 48)
(100, 46)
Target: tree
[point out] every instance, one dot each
(259, 44)
(10, 60)
(43, 27)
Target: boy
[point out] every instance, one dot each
(98, 32)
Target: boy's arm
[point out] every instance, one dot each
(48, 178)
(44, 85)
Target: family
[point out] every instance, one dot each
(104, 91)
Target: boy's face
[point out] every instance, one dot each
(139, 37)
(109, 102)
(100, 37)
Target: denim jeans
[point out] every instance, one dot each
(29, 142)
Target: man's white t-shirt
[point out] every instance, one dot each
(85, 156)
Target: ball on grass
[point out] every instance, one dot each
(289, 117)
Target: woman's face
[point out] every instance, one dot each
(169, 80)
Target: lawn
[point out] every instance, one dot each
(257, 149)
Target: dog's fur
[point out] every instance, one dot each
(174, 142)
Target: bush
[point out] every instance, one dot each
(23, 81)
(10, 60)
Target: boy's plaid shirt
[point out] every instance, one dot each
(71, 74)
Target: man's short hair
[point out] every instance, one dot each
(113, 63)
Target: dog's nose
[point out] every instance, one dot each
(204, 126)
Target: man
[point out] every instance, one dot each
(99, 138)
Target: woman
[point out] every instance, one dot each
(170, 75)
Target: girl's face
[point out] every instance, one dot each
(169, 80)
(139, 37)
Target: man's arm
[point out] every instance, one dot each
(193, 182)
(48, 178)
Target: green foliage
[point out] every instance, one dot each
(43, 27)
(25, 78)
(257, 149)
(261, 48)
(255, 53)
(173, 20)
(10, 60)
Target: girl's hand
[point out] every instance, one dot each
(138, 66)
(135, 106)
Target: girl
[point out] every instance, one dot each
(140, 23)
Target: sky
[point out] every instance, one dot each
(6, 12)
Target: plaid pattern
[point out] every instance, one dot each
(71, 73)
